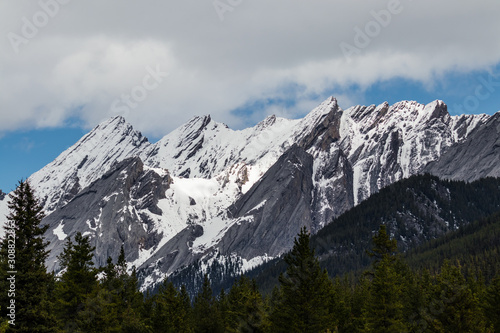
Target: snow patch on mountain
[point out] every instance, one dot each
(213, 231)
(59, 231)
(254, 262)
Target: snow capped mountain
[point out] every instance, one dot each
(86, 161)
(386, 143)
(205, 191)
(203, 148)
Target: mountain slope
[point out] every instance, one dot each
(416, 210)
(475, 247)
(283, 196)
(113, 218)
(477, 156)
(86, 161)
(205, 191)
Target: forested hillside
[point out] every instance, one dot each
(416, 210)
(476, 247)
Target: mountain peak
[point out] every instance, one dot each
(269, 121)
(77, 167)
(116, 123)
(117, 118)
(199, 121)
(318, 114)
(438, 109)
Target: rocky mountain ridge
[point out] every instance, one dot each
(206, 190)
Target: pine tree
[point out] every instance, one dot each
(110, 298)
(360, 302)
(117, 300)
(222, 303)
(245, 307)
(134, 301)
(492, 303)
(206, 317)
(454, 308)
(22, 259)
(166, 310)
(78, 284)
(340, 304)
(114, 290)
(186, 311)
(305, 292)
(385, 310)
(383, 247)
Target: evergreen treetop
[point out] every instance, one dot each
(22, 257)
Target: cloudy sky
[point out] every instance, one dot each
(66, 65)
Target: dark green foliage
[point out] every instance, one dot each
(305, 292)
(207, 317)
(122, 301)
(384, 312)
(491, 304)
(453, 306)
(459, 204)
(383, 248)
(78, 301)
(24, 241)
(243, 307)
(475, 246)
(171, 310)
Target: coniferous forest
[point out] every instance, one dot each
(419, 292)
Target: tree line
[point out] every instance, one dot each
(387, 297)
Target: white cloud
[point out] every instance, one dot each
(89, 53)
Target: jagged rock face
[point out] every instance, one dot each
(203, 148)
(173, 255)
(477, 156)
(206, 189)
(333, 186)
(283, 196)
(86, 161)
(387, 143)
(363, 149)
(113, 210)
(2, 195)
